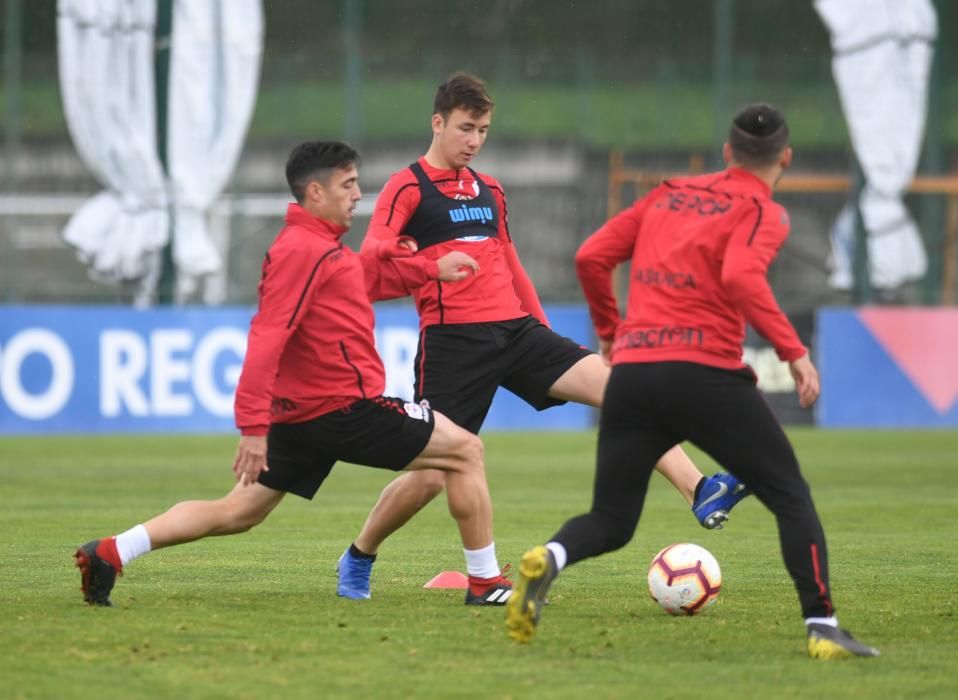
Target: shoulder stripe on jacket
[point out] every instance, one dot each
(442, 309)
(758, 221)
(505, 208)
(702, 188)
(359, 375)
(717, 180)
(309, 281)
(392, 205)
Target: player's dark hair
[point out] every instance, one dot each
(758, 135)
(462, 91)
(316, 160)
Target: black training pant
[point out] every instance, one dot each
(648, 408)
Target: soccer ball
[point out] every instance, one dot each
(684, 579)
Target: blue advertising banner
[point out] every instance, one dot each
(66, 369)
(888, 367)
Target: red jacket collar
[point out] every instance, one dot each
(298, 216)
(746, 177)
(436, 173)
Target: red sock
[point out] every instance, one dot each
(106, 550)
(478, 586)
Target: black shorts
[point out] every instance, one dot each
(385, 432)
(459, 366)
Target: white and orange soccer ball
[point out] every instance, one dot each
(684, 579)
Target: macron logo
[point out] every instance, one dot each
(467, 213)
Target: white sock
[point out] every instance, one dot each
(482, 563)
(558, 551)
(133, 543)
(830, 621)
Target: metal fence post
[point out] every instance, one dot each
(13, 20)
(931, 208)
(723, 32)
(353, 88)
(163, 38)
(862, 289)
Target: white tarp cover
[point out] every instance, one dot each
(214, 70)
(881, 63)
(106, 58)
(106, 81)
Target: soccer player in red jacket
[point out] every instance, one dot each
(310, 393)
(487, 331)
(700, 248)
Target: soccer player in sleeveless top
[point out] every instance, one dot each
(487, 331)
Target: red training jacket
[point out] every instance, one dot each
(500, 291)
(700, 249)
(311, 348)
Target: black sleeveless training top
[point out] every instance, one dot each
(439, 218)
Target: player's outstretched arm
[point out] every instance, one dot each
(525, 290)
(389, 248)
(396, 277)
(806, 380)
(753, 245)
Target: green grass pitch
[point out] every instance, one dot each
(256, 615)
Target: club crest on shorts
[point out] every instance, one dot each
(417, 411)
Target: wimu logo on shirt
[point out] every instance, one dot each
(467, 213)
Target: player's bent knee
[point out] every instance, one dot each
(467, 455)
(617, 531)
(243, 519)
(432, 482)
(244, 508)
(617, 539)
(451, 449)
(472, 450)
(458, 442)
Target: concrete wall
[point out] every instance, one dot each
(556, 193)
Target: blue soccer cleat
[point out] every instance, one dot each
(354, 573)
(718, 495)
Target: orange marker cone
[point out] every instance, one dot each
(447, 579)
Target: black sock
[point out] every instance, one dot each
(698, 488)
(356, 554)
